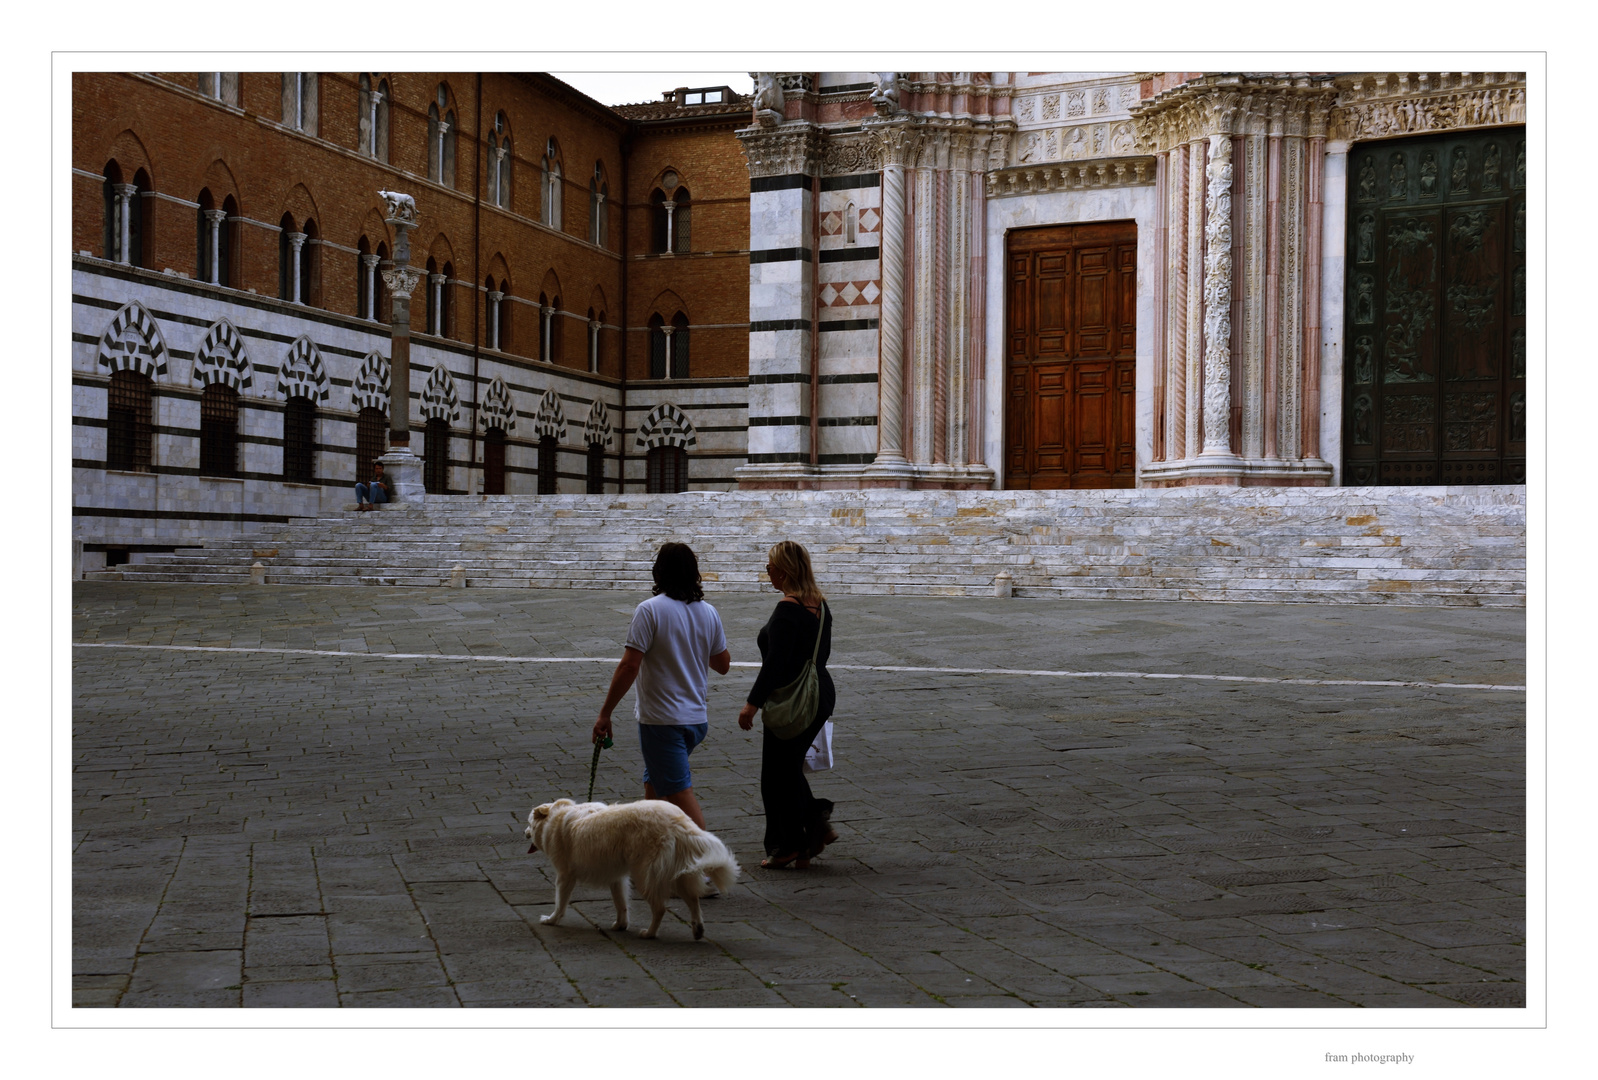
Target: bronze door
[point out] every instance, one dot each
(1072, 304)
(1435, 323)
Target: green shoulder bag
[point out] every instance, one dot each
(791, 709)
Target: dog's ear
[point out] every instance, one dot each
(564, 802)
(540, 812)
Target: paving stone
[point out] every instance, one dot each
(1062, 842)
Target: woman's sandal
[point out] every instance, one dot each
(782, 862)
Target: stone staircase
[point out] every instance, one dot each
(1463, 546)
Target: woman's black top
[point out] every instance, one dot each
(785, 644)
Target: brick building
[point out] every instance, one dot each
(231, 353)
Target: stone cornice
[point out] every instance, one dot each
(1385, 106)
(1071, 176)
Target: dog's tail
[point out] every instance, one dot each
(699, 852)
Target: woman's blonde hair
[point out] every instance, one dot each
(792, 561)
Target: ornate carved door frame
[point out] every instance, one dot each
(1435, 310)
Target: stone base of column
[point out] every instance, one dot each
(404, 471)
(1236, 472)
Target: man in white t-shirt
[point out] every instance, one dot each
(674, 638)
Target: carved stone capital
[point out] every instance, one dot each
(794, 148)
(402, 280)
(897, 143)
(1232, 104)
(216, 217)
(370, 261)
(496, 296)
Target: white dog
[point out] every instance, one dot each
(652, 842)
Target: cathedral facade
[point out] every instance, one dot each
(851, 280)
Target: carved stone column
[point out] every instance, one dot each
(494, 299)
(1218, 301)
(296, 242)
(546, 323)
(124, 196)
(667, 332)
(370, 263)
(923, 301)
(898, 143)
(215, 218)
(1224, 353)
(401, 279)
(593, 344)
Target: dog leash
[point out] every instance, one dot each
(593, 767)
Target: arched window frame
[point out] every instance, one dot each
(552, 193)
(130, 400)
(677, 346)
(666, 470)
(599, 207)
(221, 86)
(596, 469)
(500, 156)
(849, 224)
(371, 118)
(300, 101)
(441, 132)
(219, 431)
(299, 440)
(548, 460)
(658, 348)
(436, 438)
(494, 461)
(371, 440)
(213, 240)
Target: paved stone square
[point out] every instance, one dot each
(315, 797)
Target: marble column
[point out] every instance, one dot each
(494, 299)
(215, 218)
(370, 262)
(1218, 301)
(124, 194)
(890, 460)
(546, 322)
(593, 345)
(667, 331)
(401, 280)
(435, 309)
(296, 242)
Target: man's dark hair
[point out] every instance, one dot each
(676, 573)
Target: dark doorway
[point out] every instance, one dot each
(1071, 370)
(494, 462)
(1434, 387)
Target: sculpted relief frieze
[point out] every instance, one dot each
(1388, 106)
(1047, 177)
(1074, 123)
(851, 154)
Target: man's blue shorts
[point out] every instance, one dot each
(666, 748)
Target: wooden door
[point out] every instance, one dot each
(1071, 372)
(1435, 368)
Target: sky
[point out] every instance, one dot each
(632, 87)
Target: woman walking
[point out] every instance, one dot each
(796, 821)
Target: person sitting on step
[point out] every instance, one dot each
(368, 496)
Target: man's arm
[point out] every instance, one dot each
(721, 662)
(620, 682)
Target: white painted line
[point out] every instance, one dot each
(830, 667)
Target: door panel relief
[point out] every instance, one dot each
(1435, 370)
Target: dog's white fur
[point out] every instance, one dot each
(652, 842)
